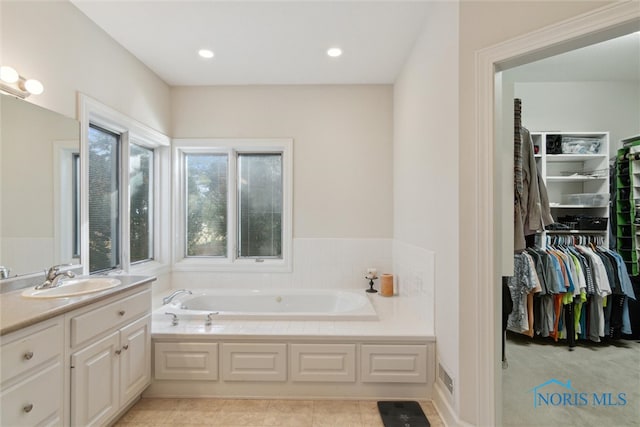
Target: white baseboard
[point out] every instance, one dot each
(446, 412)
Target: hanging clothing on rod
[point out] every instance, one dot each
(574, 288)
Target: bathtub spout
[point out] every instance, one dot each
(168, 299)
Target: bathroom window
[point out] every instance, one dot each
(141, 213)
(104, 199)
(260, 205)
(206, 216)
(234, 209)
(126, 193)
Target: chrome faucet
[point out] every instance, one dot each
(167, 300)
(53, 277)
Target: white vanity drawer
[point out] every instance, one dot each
(37, 400)
(89, 325)
(31, 349)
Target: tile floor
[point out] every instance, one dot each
(260, 413)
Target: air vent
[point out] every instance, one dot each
(445, 378)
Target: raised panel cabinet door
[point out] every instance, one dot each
(95, 382)
(135, 363)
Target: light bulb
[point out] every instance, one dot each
(34, 86)
(205, 53)
(334, 52)
(8, 74)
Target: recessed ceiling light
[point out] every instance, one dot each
(205, 53)
(334, 52)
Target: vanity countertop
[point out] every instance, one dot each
(17, 312)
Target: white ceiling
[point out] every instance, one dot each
(271, 42)
(264, 42)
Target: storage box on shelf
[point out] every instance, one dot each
(575, 169)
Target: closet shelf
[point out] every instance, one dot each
(574, 178)
(574, 157)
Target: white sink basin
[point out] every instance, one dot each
(73, 287)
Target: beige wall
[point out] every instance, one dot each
(583, 106)
(426, 165)
(483, 24)
(52, 41)
(342, 147)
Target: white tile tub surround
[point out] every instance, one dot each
(414, 270)
(317, 264)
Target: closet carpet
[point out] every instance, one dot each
(598, 374)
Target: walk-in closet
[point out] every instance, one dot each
(571, 272)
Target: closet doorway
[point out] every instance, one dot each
(558, 96)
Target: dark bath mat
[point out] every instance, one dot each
(402, 414)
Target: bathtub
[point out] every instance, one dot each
(275, 304)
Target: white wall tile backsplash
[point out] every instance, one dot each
(317, 263)
(414, 270)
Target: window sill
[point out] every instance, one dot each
(150, 268)
(240, 266)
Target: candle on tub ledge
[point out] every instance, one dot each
(386, 285)
(372, 273)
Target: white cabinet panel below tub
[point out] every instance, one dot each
(254, 362)
(323, 362)
(186, 361)
(394, 363)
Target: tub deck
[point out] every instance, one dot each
(389, 358)
(400, 318)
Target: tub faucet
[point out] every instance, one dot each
(53, 276)
(209, 319)
(167, 300)
(174, 318)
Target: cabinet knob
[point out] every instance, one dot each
(28, 355)
(28, 407)
(125, 347)
(118, 352)
(121, 312)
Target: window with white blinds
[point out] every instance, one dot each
(234, 209)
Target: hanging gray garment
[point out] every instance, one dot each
(535, 201)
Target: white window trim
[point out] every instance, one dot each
(63, 225)
(230, 147)
(131, 131)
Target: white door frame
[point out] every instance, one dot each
(598, 25)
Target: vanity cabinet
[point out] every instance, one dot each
(32, 375)
(111, 359)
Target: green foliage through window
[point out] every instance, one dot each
(206, 219)
(104, 197)
(141, 203)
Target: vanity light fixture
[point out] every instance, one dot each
(206, 53)
(13, 83)
(334, 52)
